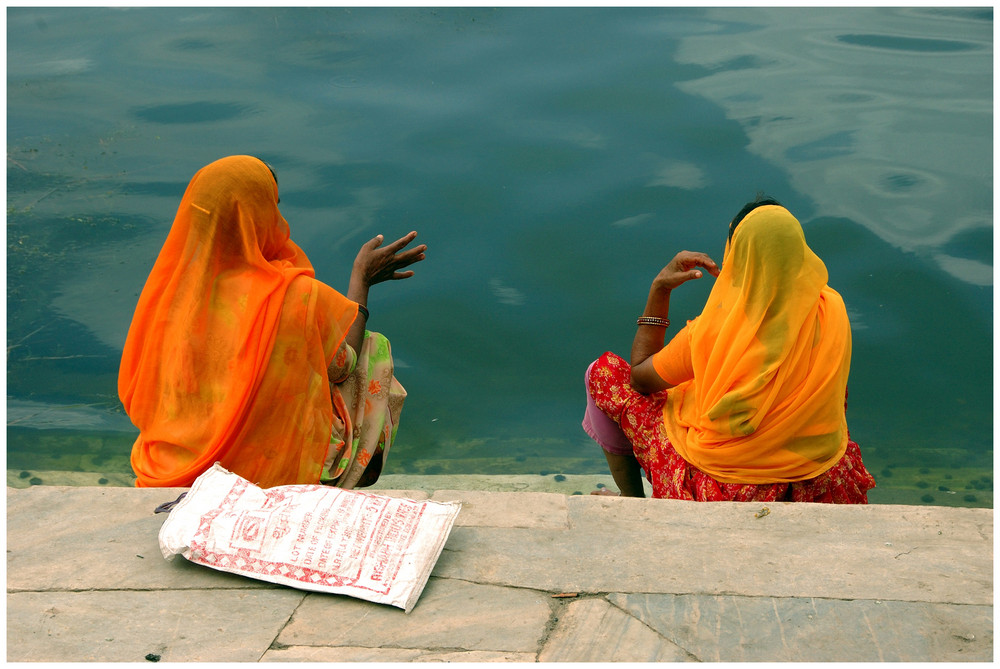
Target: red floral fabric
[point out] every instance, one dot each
(641, 419)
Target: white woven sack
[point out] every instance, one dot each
(313, 537)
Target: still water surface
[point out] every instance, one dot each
(553, 159)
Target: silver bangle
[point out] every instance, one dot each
(653, 320)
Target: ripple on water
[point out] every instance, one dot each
(902, 182)
(899, 43)
(192, 112)
(896, 181)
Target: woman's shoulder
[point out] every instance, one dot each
(304, 284)
(832, 299)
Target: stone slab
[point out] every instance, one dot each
(400, 493)
(86, 538)
(508, 509)
(450, 615)
(356, 654)
(931, 554)
(771, 629)
(705, 577)
(125, 626)
(896, 523)
(66, 538)
(592, 630)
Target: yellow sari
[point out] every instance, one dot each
(771, 353)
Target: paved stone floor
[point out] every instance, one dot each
(525, 576)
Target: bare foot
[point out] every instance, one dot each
(605, 492)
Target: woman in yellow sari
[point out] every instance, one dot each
(747, 402)
(237, 354)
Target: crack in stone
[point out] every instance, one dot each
(512, 586)
(19, 591)
(428, 649)
(691, 656)
(557, 608)
(275, 644)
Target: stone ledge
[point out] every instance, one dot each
(654, 580)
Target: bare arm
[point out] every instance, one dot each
(649, 338)
(374, 264)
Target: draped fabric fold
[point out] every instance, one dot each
(771, 354)
(226, 358)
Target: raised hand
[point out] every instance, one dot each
(684, 267)
(376, 263)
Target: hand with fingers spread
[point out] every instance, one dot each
(376, 263)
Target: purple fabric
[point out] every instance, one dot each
(601, 428)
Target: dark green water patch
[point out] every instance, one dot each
(974, 244)
(899, 482)
(934, 420)
(851, 98)
(192, 112)
(50, 357)
(21, 177)
(744, 62)
(898, 43)
(155, 188)
(191, 44)
(68, 450)
(971, 13)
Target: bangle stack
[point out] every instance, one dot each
(653, 320)
(363, 310)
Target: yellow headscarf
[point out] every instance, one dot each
(771, 353)
(226, 358)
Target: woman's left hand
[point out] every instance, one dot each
(376, 263)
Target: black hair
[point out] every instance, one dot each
(274, 174)
(760, 201)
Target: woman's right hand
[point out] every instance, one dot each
(684, 267)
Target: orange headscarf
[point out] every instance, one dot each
(226, 358)
(771, 353)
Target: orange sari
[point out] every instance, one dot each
(227, 355)
(770, 352)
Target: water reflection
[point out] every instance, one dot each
(866, 158)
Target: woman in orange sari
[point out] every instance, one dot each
(237, 354)
(747, 402)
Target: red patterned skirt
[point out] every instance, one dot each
(641, 420)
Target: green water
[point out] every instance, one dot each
(553, 160)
